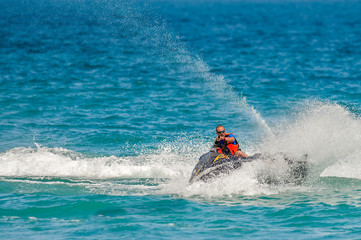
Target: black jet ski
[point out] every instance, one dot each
(212, 164)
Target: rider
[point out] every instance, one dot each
(227, 144)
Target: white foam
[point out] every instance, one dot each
(326, 132)
(59, 162)
(347, 167)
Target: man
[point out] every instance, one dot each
(227, 144)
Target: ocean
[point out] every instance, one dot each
(106, 107)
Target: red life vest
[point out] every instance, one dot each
(230, 146)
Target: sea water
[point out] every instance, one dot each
(106, 106)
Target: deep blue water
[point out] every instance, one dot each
(106, 107)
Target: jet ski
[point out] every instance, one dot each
(213, 164)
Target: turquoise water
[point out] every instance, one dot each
(106, 107)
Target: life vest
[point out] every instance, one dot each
(228, 148)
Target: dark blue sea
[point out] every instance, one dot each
(107, 105)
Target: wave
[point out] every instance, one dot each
(59, 162)
(328, 133)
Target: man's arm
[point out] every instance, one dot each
(229, 139)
